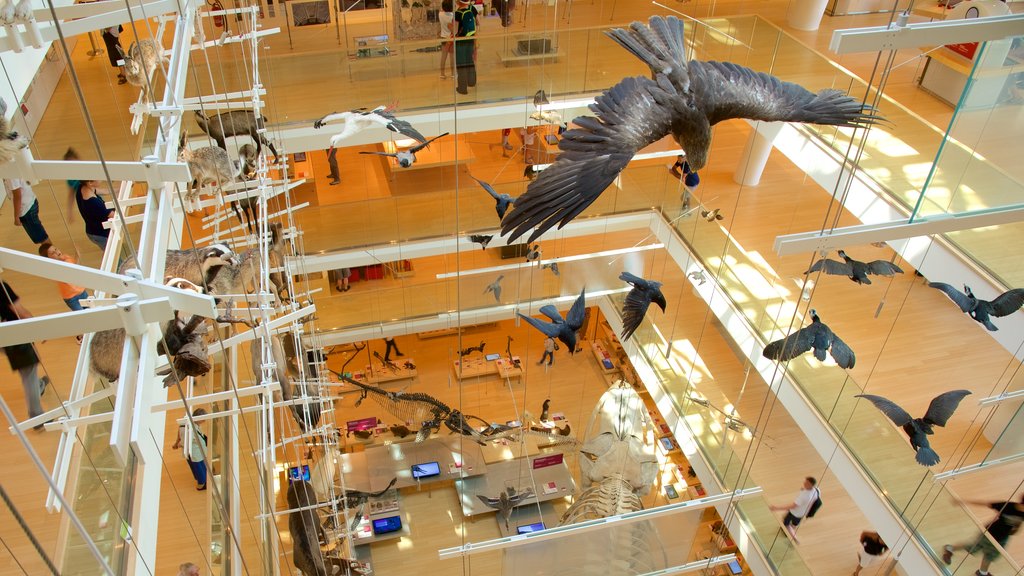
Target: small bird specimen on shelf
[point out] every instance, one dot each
(405, 158)
(506, 501)
(564, 330)
(540, 98)
(548, 116)
(712, 215)
(534, 253)
(495, 288)
(817, 336)
(481, 239)
(684, 98)
(940, 410)
(638, 300)
(360, 119)
(553, 266)
(502, 201)
(982, 310)
(855, 270)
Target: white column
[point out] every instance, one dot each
(806, 14)
(755, 153)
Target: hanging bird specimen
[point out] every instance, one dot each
(495, 288)
(685, 98)
(638, 300)
(712, 215)
(981, 310)
(918, 429)
(481, 239)
(361, 119)
(817, 336)
(855, 270)
(564, 330)
(502, 201)
(405, 158)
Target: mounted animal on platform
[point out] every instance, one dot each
(140, 61)
(235, 123)
(478, 348)
(211, 164)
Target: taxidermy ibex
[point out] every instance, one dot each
(235, 123)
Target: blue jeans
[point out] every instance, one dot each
(33, 227)
(198, 471)
(98, 240)
(75, 302)
(33, 387)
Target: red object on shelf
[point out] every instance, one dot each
(966, 49)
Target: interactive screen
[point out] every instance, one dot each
(425, 470)
(385, 525)
(491, 357)
(667, 443)
(363, 424)
(535, 527)
(735, 567)
(295, 474)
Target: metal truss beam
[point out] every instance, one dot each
(25, 35)
(991, 400)
(28, 168)
(789, 244)
(987, 464)
(876, 38)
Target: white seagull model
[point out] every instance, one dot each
(361, 119)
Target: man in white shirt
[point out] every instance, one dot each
(796, 511)
(26, 210)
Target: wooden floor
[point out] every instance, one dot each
(893, 361)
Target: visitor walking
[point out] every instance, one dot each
(22, 357)
(196, 449)
(798, 510)
(26, 210)
(549, 351)
(690, 179)
(447, 20)
(467, 20)
(389, 343)
(112, 40)
(93, 209)
(872, 548)
(332, 161)
(1006, 524)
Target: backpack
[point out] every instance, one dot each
(814, 506)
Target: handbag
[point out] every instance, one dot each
(21, 356)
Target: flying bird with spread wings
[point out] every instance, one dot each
(684, 98)
(361, 119)
(506, 501)
(481, 239)
(638, 300)
(982, 310)
(501, 201)
(540, 98)
(495, 288)
(712, 215)
(855, 270)
(817, 336)
(406, 158)
(563, 329)
(940, 410)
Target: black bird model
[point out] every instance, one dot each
(817, 336)
(564, 330)
(855, 269)
(685, 98)
(1005, 304)
(407, 158)
(918, 429)
(502, 201)
(638, 300)
(506, 501)
(481, 239)
(495, 288)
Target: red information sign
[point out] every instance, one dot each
(967, 49)
(548, 460)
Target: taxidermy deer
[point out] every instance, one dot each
(10, 142)
(235, 123)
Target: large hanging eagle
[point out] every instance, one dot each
(683, 98)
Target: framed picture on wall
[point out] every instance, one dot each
(300, 156)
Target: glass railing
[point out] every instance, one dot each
(709, 428)
(767, 306)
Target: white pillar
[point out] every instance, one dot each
(755, 153)
(806, 14)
